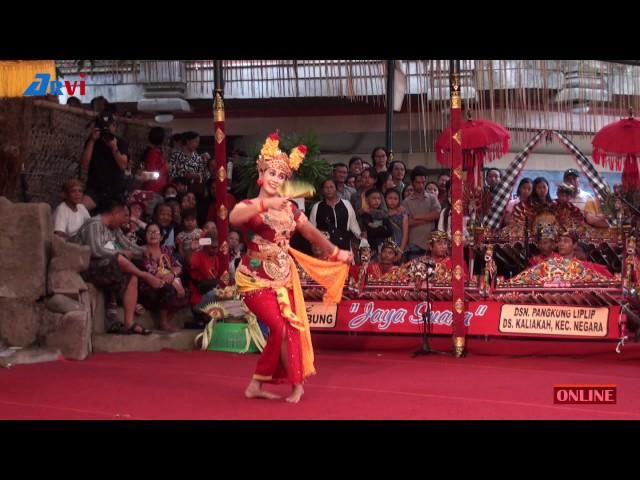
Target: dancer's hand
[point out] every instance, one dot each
(277, 203)
(345, 256)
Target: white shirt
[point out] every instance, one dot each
(581, 200)
(67, 221)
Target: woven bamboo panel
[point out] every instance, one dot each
(49, 138)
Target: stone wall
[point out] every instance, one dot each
(44, 302)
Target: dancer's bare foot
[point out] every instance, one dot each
(254, 390)
(296, 394)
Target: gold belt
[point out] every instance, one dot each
(265, 255)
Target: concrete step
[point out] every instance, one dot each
(17, 356)
(158, 340)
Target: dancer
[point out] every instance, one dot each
(267, 277)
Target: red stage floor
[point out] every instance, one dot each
(360, 377)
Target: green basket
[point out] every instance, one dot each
(231, 337)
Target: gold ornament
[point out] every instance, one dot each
(219, 136)
(457, 238)
(222, 174)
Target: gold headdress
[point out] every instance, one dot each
(272, 156)
(437, 235)
(392, 245)
(546, 230)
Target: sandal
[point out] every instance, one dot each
(138, 329)
(118, 328)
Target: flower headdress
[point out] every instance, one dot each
(272, 156)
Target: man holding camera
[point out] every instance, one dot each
(106, 157)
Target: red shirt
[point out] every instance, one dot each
(203, 267)
(155, 162)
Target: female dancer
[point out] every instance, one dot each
(267, 277)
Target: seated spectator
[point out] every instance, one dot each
(229, 201)
(134, 229)
(160, 262)
(163, 217)
(236, 250)
(210, 228)
(187, 239)
(69, 216)
(170, 191)
(111, 267)
(176, 210)
(204, 273)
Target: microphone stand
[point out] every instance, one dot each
(425, 348)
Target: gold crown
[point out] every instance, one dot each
(272, 156)
(546, 230)
(568, 232)
(439, 235)
(392, 245)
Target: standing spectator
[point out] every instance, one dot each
(335, 216)
(74, 102)
(587, 204)
(106, 157)
(154, 161)
(398, 171)
(540, 195)
(111, 267)
(351, 181)
(189, 164)
(340, 172)
(423, 209)
(384, 182)
(525, 187)
(492, 181)
(375, 222)
(69, 216)
(379, 158)
(398, 218)
(359, 199)
(355, 166)
(432, 188)
(443, 195)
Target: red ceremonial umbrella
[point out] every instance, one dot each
(617, 146)
(480, 140)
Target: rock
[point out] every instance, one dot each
(49, 322)
(25, 242)
(68, 256)
(66, 283)
(19, 321)
(61, 304)
(72, 336)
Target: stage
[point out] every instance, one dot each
(359, 377)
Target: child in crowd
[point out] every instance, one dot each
(376, 221)
(187, 239)
(398, 218)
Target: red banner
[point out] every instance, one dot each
(480, 318)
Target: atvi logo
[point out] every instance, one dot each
(39, 87)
